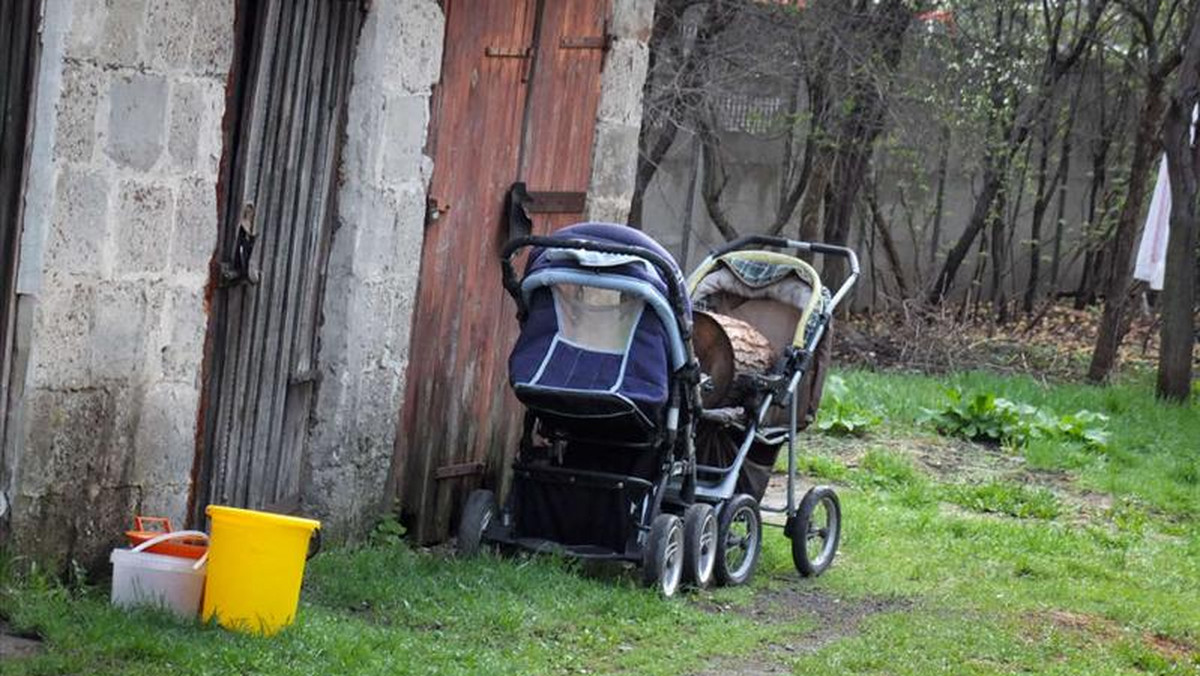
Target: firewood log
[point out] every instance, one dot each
(730, 352)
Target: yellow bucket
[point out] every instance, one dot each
(255, 566)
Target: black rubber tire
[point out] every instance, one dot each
(662, 559)
(477, 514)
(699, 544)
(802, 524)
(732, 573)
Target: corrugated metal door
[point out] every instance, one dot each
(18, 29)
(278, 220)
(517, 102)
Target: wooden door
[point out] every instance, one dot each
(281, 172)
(18, 44)
(516, 103)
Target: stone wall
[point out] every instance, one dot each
(119, 229)
(374, 263)
(614, 153)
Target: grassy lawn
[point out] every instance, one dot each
(1052, 557)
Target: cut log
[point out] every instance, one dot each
(730, 351)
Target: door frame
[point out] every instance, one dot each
(13, 361)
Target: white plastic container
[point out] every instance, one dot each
(169, 582)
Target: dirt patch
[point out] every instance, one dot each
(1172, 648)
(787, 602)
(15, 644)
(1093, 629)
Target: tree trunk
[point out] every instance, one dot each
(993, 179)
(889, 244)
(1114, 323)
(1179, 282)
(814, 194)
(939, 200)
(1061, 213)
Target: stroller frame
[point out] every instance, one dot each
(680, 482)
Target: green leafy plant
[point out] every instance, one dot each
(389, 532)
(839, 416)
(985, 417)
(1087, 427)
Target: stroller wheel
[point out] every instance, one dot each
(699, 544)
(739, 540)
(816, 531)
(477, 516)
(662, 559)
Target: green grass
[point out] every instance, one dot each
(1049, 559)
(1004, 497)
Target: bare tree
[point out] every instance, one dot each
(1183, 164)
(1013, 129)
(1152, 23)
(681, 54)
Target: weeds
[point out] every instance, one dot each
(1002, 497)
(841, 416)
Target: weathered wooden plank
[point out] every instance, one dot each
(285, 145)
(249, 162)
(323, 191)
(272, 289)
(478, 106)
(277, 370)
(496, 120)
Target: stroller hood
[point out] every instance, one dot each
(609, 233)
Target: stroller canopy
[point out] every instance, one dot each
(600, 342)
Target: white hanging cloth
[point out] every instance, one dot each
(1152, 253)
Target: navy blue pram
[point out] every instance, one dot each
(600, 339)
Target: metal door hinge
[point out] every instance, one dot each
(602, 42)
(508, 52)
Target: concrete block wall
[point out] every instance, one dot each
(374, 263)
(614, 153)
(120, 226)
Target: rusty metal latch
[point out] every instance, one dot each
(239, 269)
(587, 42)
(461, 469)
(434, 210)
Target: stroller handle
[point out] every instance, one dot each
(804, 247)
(666, 270)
